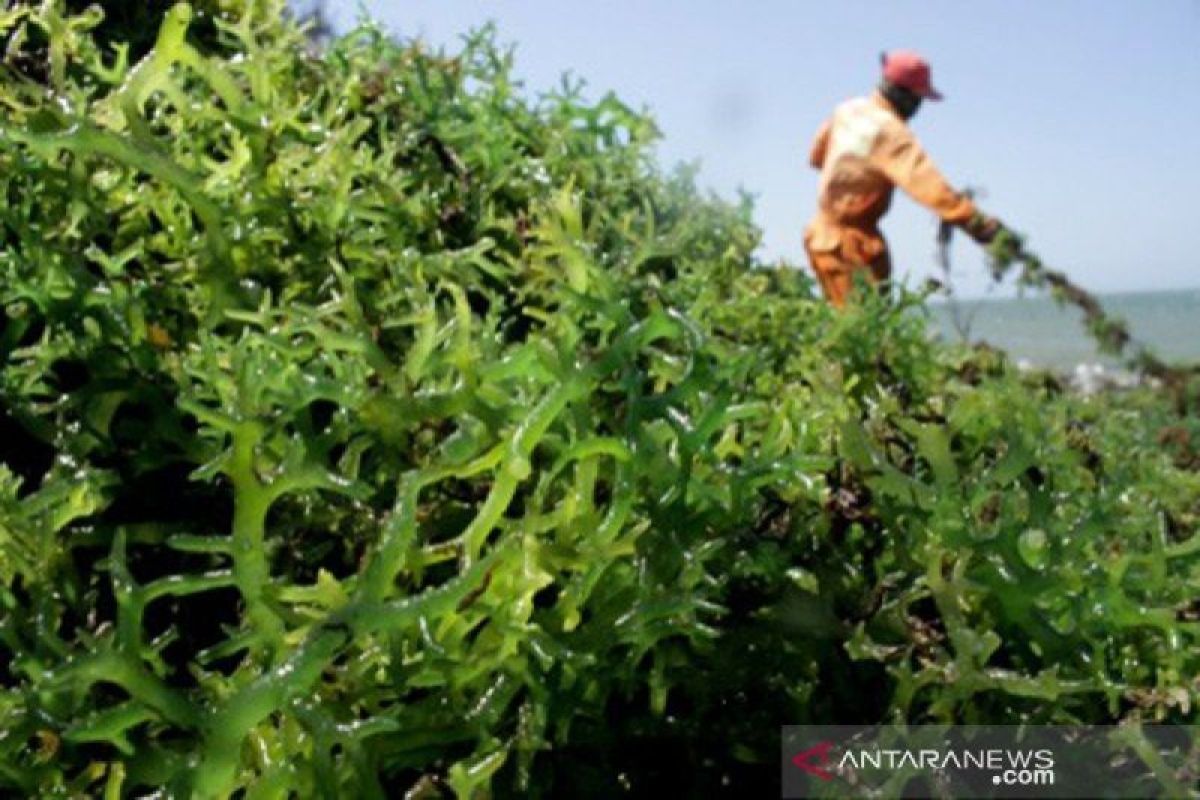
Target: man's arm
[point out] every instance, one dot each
(900, 156)
(820, 146)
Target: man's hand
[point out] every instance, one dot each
(982, 228)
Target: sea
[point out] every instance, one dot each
(1037, 332)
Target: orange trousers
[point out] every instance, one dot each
(837, 254)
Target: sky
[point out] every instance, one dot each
(1078, 119)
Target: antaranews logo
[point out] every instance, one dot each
(1006, 766)
(966, 761)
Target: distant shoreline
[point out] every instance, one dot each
(1034, 328)
(1034, 295)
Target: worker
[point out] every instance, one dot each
(863, 151)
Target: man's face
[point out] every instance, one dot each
(907, 103)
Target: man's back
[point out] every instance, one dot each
(863, 151)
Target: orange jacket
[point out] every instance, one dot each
(863, 151)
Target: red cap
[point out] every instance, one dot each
(908, 69)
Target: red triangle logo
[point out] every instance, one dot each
(813, 759)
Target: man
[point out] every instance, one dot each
(863, 151)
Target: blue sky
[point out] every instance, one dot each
(1079, 118)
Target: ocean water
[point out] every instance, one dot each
(1034, 329)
